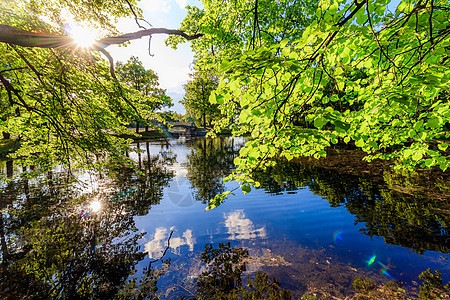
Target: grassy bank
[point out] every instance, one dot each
(143, 135)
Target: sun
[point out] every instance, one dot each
(82, 36)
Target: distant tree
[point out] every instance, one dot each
(147, 92)
(58, 97)
(196, 99)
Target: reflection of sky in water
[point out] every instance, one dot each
(241, 228)
(261, 221)
(155, 248)
(280, 225)
(237, 227)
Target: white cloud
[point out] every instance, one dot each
(241, 228)
(181, 3)
(154, 6)
(155, 248)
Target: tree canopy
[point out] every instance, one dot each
(296, 77)
(365, 73)
(64, 102)
(196, 98)
(145, 90)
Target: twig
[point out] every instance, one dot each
(164, 253)
(136, 18)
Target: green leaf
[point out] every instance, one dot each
(320, 122)
(212, 98)
(341, 125)
(433, 122)
(246, 189)
(430, 162)
(443, 147)
(417, 156)
(360, 143)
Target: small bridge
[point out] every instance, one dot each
(189, 128)
(175, 129)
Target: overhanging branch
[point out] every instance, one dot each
(14, 36)
(19, 37)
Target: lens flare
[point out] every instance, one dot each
(371, 260)
(337, 236)
(384, 271)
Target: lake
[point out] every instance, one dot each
(128, 232)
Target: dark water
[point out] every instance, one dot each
(123, 232)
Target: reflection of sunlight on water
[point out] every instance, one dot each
(95, 206)
(241, 228)
(156, 247)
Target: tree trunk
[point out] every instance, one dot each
(204, 121)
(139, 156)
(5, 252)
(137, 126)
(9, 168)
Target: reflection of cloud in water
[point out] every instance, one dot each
(241, 228)
(155, 248)
(180, 171)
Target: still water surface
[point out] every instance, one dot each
(312, 229)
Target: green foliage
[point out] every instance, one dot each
(196, 99)
(224, 267)
(264, 288)
(8, 146)
(58, 248)
(432, 288)
(353, 72)
(147, 93)
(64, 105)
(145, 287)
(363, 285)
(368, 290)
(207, 163)
(417, 222)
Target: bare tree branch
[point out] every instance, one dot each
(136, 18)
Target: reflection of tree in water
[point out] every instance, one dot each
(418, 223)
(138, 190)
(222, 278)
(54, 245)
(225, 266)
(207, 163)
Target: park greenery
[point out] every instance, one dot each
(295, 77)
(196, 99)
(146, 89)
(369, 74)
(63, 102)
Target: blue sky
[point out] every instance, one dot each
(172, 66)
